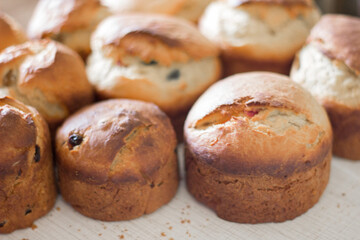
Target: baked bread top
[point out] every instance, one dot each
(261, 31)
(116, 140)
(63, 16)
(10, 32)
(258, 123)
(150, 37)
(47, 75)
(18, 136)
(338, 37)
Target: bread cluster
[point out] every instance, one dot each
(116, 85)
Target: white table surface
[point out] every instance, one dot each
(336, 216)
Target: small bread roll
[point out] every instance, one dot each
(258, 34)
(258, 148)
(46, 75)
(193, 9)
(70, 22)
(329, 67)
(154, 58)
(116, 160)
(10, 32)
(27, 185)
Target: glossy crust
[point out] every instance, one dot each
(27, 186)
(265, 135)
(46, 75)
(10, 32)
(66, 17)
(151, 37)
(125, 165)
(338, 37)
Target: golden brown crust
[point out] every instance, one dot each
(126, 145)
(27, 186)
(233, 65)
(10, 32)
(236, 3)
(256, 199)
(61, 16)
(338, 37)
(346, 128)
(152, 37)
(47, 75)
(217, 124)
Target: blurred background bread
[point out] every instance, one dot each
(27, 186)
(154, 58)
(11, 33)
(70, 22)
(258, 34)
(258, 148)
(329, 67)
(116, 160)
(46, 75)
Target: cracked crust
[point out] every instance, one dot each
(164, 39)
(10, 32)
(127, 147)
(46, 75)
(252, 127)
(27, 186)
(338, 37)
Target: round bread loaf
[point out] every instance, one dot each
(258, 148)
(70, 22)
(47, 76)
(258, 34)
(27, 182)
(116, 160)
(329, 67)
(10, 32)
(154, 58)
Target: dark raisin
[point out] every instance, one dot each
(28, 211)
(152, 185)
(2, 223)
(173, 75)
(75, 139)
(152, 62)
(37, 154)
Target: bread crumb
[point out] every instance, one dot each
(25, 239)
(33, 227)
(207, 219)
(171, 238)
(105, 227)
(182, 221)
(170, 227)
(100, 234)
(121, 236)
(343, 194)
(338, 205)
(163, 234)
(188, 206)
(58, 208)
(188, 221)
